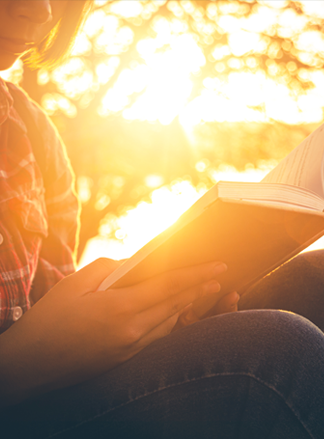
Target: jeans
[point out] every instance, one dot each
(256, 374)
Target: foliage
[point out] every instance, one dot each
(153, 87)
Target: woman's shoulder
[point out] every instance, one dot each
(54, 148)
(42, 121)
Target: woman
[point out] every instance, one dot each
(79, 363)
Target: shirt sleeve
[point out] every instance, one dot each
(57, 257)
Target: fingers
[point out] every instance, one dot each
(158, 289)
(163, 311)
(187, 317)
(90, 277)
(227, 303)
(158, 332)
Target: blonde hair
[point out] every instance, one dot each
(57, 44)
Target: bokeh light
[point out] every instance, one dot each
(159, 85)
(190, 63)
(121, 236)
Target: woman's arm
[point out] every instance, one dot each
(74, 333)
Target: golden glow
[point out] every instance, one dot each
(106, 69)
(14, 74)
(121, 236)
(165, 77)
(159, 85)
(153, 181)
(53, 102)
(84, 188)
(313, 8)
(82, 45)
(73, 78)
(255, 98)
(127, 9)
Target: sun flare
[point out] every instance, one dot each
(160, 84)
(232, 62)
(121, 236)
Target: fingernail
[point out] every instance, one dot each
(212, 287)
(219, 268)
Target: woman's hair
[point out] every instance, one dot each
(57, 45)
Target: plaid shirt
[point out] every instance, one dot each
(38, 225)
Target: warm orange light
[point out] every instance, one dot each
(160, 87)
(120, 237)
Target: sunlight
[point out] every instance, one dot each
(311, 41)
(121, 236)
(313, 8)
(165, 77)
(158, 61)
(53, 102)
(255, 97)
(106, 69)
(114, 38)
(159, 83)
(14, 74)
(127, 9)
(153, 181)
(165, 82)
(73, 78)
(82, 45)
(126, 234)
(243, 42)
(95, 23)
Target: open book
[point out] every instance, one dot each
(252, 227)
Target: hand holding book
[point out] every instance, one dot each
(252, 227)
(74, 344)
(226, 304)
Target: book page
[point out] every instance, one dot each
(303, 166)
(271, 193)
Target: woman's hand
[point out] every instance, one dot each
(227, 303)
(74, 333)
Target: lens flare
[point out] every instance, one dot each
(121, 236)
(229, 62)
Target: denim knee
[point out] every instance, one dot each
(268, 361)
(297, 286)
(280, 350)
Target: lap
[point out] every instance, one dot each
(297, 286)
(232, 376)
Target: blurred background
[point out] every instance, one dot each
(162, 99)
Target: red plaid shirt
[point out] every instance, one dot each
(38, 225)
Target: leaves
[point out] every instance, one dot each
(153, 87)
